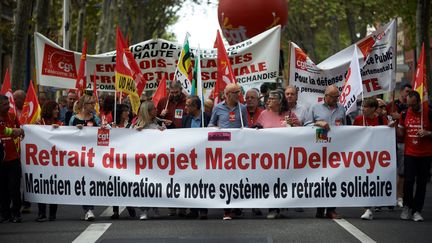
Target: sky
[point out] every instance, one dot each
(200, 21)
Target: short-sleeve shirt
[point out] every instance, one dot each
(414, 144)
(269, 119)
(322, 112)
(358, 121)
(225, 117)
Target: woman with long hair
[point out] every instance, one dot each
(121, 120)
(49, 116)
(147, 120)
(84, 110)
(147, 117)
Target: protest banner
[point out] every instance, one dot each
(254, 61)
(210, 167)
(377, 66)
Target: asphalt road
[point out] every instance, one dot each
(293, 227)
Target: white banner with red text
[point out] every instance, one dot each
(377, 67)
(254, 61)
(210, 167)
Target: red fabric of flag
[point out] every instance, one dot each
(7, 90)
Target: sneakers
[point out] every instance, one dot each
(417, 217)
(406, 214)
(144, 215)
(400, 202)
(16, 219)
(272, 215)
(227, 216)
(41, 218)
(89, 216)
(367, 215)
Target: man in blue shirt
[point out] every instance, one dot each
(324, 115)
(227, 113)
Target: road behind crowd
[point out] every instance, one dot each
(293, 227)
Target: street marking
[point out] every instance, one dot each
(362, 237)
(109, 211)
(92, 233)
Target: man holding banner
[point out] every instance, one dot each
(324, 115)
(10, 166)
(172, 107)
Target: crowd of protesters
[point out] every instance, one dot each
(276, 107)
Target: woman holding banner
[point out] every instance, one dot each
(147, 120)
(49, 116)
(85, 116)
(121, 120)
(277, 115)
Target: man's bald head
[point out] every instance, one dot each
(331, 95)
(19, 98)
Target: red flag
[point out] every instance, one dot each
(225, 74)
(129, 78)
(140, 81)
(420, 85)
(160, 92)
(31, 109)
(7, 90)
(81, 83)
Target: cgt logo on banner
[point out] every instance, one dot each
(103, 137)
(58, 63)
(300, 58)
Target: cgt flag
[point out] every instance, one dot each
(126, 72)
(7, 90)
(31, 109)
(420, 85)
(183, 73)
(353, 86)
(81, 83)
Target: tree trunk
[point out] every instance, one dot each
(21, 30)
(80, 27)
(101, 38)
(351, 22)
(42, 16)
(335, 35)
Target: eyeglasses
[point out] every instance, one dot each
(235, 92)
(333, 96)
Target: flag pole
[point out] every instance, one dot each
(362, 105)
(115, 107)
(241, 117)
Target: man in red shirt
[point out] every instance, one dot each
(175, 109)
(10, 166)
(418, 156)
(371, 118)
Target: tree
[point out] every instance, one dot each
(21, 31)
